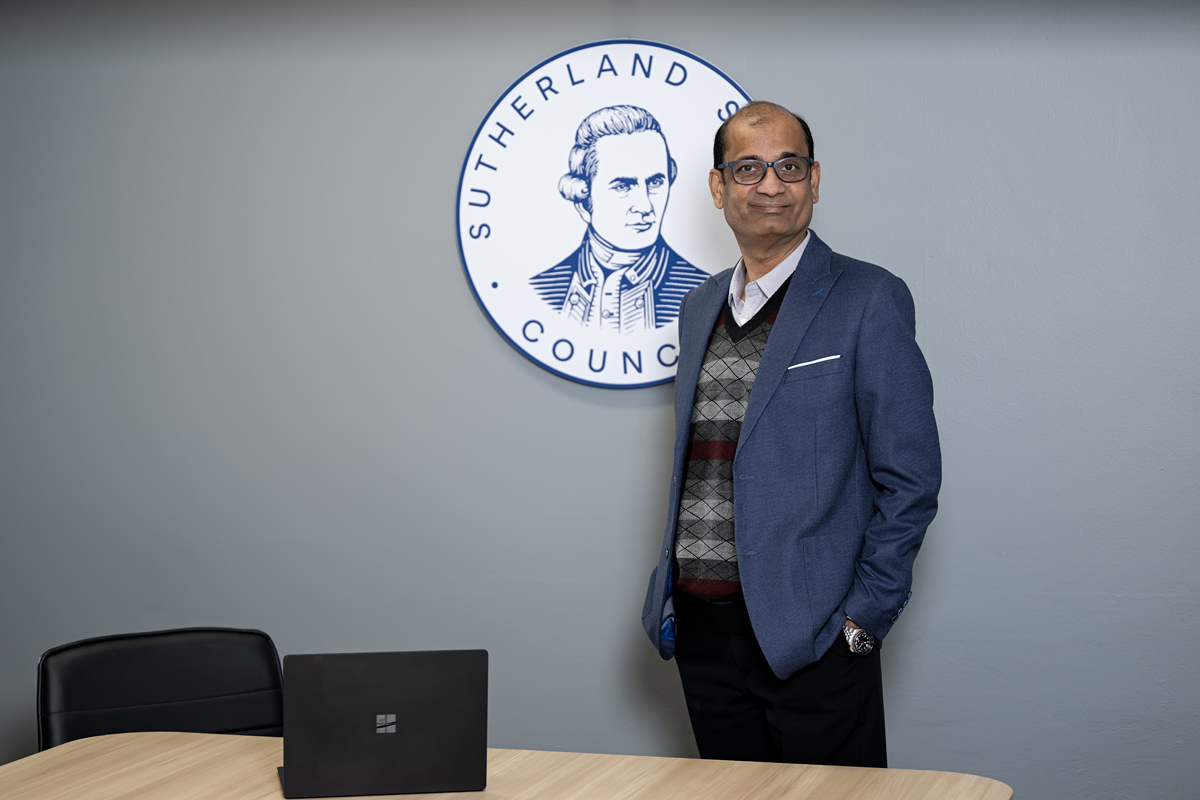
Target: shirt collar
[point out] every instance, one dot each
(768, 284)
(601, 258)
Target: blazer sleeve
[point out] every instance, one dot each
(894, 397)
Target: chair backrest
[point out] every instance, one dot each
(201, 680)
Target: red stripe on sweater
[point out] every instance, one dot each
(713, 590)
(712, 451)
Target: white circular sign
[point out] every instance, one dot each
(584, 214)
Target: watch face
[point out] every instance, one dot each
(862, 642)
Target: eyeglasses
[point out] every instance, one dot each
(750, 171)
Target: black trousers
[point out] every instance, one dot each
(830, 712)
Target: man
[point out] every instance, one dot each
(623, 277)
(806, 471)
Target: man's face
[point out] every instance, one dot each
(771, 210)
(630, 191)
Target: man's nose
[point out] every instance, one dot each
(770, 184)
(641, 203)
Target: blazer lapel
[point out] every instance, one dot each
(702, 314)
(806, 294)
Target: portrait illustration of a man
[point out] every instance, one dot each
(623, 277)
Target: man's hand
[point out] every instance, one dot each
(851, 624)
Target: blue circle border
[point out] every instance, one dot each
(462, 256)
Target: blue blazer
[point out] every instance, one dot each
(837, 468)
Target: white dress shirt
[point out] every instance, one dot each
(759, 292)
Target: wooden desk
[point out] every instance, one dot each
(200, 766)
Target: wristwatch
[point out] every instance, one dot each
(859, 640)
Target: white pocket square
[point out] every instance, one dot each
(815, 361)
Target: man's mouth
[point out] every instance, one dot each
(640, 227)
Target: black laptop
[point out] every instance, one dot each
(384, 723)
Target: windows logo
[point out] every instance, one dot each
(385, 723)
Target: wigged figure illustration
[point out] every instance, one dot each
(623, 277)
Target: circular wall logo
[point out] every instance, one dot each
(584, 214)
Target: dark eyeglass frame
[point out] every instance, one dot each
(733, 171)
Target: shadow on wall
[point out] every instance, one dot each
(653, 685)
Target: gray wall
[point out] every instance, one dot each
(243, 381)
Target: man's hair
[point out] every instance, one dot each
(756, 113)
(576, 185)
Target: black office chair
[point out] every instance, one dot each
(203, 680)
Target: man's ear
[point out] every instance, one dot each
(816, 180)
(716, 185)
(583, 212)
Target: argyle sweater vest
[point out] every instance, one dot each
(704, 545)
